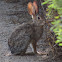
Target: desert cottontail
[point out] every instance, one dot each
(26, 33)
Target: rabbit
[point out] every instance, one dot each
(26, 34)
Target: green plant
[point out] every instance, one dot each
(55, 6)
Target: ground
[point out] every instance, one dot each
(11, 16)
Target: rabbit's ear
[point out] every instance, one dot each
(30, 8)
(35, 7)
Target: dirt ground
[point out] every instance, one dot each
(11, 16)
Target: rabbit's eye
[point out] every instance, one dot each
(38, 17)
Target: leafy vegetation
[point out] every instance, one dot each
(54, 12)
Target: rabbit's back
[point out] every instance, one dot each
(20, 39)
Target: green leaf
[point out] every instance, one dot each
(52, 28)
(51, 6)
(59, 38)
(56, 17)
(60, 44)
(58, 41)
